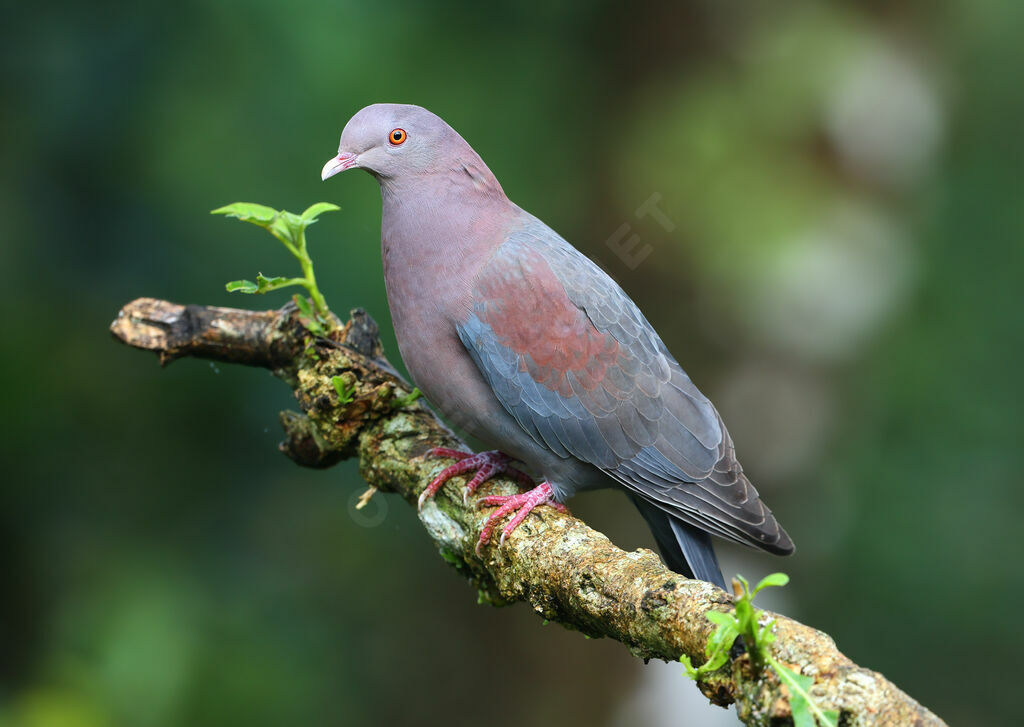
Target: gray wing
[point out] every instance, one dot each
(573, 360)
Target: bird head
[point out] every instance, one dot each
(392, 139)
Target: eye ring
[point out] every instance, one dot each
(397, 137)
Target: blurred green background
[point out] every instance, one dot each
(838, 266)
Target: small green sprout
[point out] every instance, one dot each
(290, 229)
(403, 401)
(308, 343)
(757, 637)
(312, 321)
(346, 389)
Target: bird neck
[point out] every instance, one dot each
(443, 213)
(437, 231)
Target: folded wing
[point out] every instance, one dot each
(573, 360)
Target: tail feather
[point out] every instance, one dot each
(685, 549)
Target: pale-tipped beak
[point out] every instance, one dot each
(340, 163)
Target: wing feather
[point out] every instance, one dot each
(575, 362)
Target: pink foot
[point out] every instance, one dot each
(523, 503)
(486, 464)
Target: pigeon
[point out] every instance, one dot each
(525, 343)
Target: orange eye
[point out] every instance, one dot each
(397, 136)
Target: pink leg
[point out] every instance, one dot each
(486, 464)
(523, 503)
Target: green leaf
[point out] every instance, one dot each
(257, 214)
(722, 619)
(715, 661)
(688, 665)
(242, 286)
(315, 210)
(798, 686)
(280, 224)
(717, 648)
(344, 388)
(746, 619)
(264, 280)
(773, 579)
(806, 713)
(724, 636)
(268, 284)
(404, 401)
(262, 284)
(308, 319)
(285, 229)
(285, 226)
(303, 305)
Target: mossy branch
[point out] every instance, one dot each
(354, 405)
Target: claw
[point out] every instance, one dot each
(522, 504)
(486, 464)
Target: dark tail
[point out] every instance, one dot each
(684, 548)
